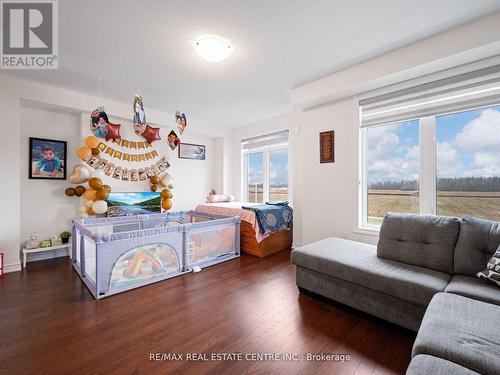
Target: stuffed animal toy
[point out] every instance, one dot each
(33, 241)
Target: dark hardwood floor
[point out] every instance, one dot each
(50, 324)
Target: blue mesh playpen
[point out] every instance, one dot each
(113, 255)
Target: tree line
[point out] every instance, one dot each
(443, 184)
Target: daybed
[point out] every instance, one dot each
(252, 241)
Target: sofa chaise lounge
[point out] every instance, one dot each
(422, 276)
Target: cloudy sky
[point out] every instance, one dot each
(278, 168)
(468, 144)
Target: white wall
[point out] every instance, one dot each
(326, 195)
(32, 109)
(328, 192)
(193, 178)
(45, 209)
(461, 45)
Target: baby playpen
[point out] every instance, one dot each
(113, 255)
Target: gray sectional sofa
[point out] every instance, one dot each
(422, 276)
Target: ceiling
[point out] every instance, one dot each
(145, 47)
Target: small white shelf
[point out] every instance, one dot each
(44, 249)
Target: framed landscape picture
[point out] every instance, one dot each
(47, 159)
(327, 147)
(190, 151)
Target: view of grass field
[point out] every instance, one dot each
(452, 203)
(255, 194)
(467, 165)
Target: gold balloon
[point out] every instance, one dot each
(90, 195)
(79, 174)
(107, 187)
(166, 194)
(154, 180)
(79, 190)
(84, 153)
(102, 194)
(168, 181)
(166, 204)
(90, 211)
(95, 183)
(87, 203)
(70, 192)
(154, 187)
(91, 141)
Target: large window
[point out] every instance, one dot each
(445, 164)
(468, 163)
(393, 170)
(265, 168)
(433, 148)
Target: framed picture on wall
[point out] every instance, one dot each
(327, 147)
(190, 151)
(47, 159)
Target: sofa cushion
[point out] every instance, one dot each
(477, 241)
(461, 330)
(421, 240)
(474, 288)
(428, 365)
(358, 263)
(492, 271)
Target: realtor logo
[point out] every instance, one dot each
(29, 34)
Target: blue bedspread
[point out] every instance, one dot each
(272, 217)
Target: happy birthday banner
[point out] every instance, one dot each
(131, 144)
(117, 154)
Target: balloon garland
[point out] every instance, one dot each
(92, 154)
(94, 197)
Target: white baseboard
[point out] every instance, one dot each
(13, 267)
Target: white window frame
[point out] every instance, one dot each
(265, 150)
(428, 168)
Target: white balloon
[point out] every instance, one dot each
(168, 181)
(79, 174)
(100, 207)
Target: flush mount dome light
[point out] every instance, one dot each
(213, 48)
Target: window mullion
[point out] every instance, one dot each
(266, 166)
(428, 165)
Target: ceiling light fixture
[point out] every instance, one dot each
(213, 48)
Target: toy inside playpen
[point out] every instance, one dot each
(112, 255)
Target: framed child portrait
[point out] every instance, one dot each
(47, 159)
